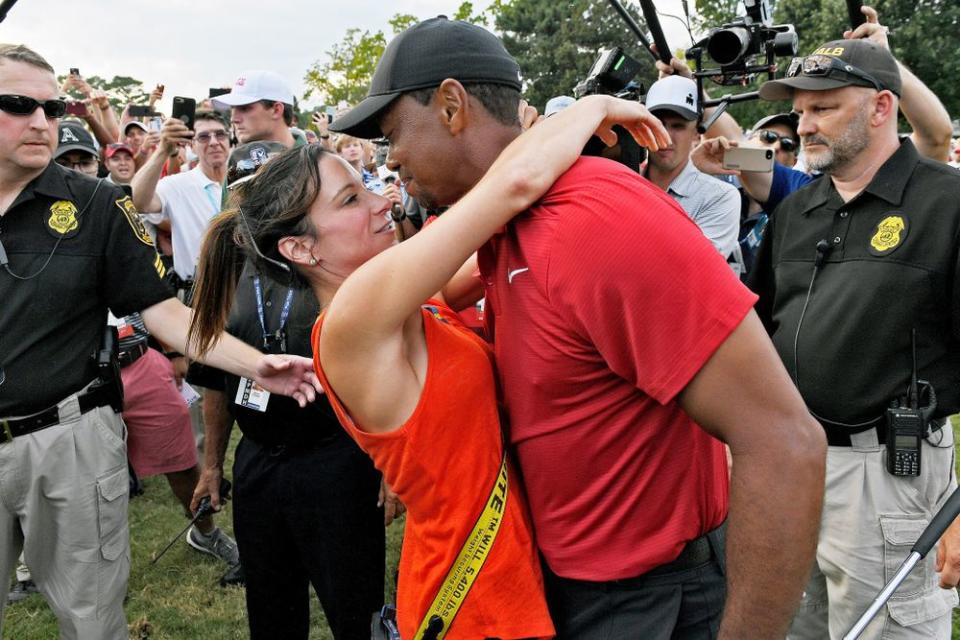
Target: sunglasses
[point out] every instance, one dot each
(25, 106)
(820, 65)
(786, 144)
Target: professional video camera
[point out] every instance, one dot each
(613, 73)
(737, 46)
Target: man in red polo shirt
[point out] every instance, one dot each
(627, 350)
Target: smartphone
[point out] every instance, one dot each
(185, 109)
(331, 112)
(218, 91)
(155, 124)
(74, 71)
(76, 108)
(140, 111)
(748, 159)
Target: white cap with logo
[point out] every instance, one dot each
(676, 94)
(254, 86)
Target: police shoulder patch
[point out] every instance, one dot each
(890, 233)
(130, 212)
(63, 217)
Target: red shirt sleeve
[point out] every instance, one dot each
(634, 275)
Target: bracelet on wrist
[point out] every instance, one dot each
(170, 355)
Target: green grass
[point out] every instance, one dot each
(178, 598)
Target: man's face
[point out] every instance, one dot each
(27, 142)
(834, 126)
(134, 138)
(81, 161)
(121, 167)
(254, 122)
(683, 134)
(786, 158)
(352, 152)
(423, 153)
(211, 143)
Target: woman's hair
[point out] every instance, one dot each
(271, 205)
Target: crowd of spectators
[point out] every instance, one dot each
(310, 506)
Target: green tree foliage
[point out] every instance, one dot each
(350, 63)
(122, 90)
(556, 42)
(923, 36)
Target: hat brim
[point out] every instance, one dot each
(137, 124)
(686, 114)
(362, 120)
(67, 148)
(783, 89)
(234, 100)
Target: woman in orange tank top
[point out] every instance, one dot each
(408, 381)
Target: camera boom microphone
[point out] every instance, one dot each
(633, 27)
(856, 16)
(656, 31)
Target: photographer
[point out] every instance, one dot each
(854, 268)
(920, 106)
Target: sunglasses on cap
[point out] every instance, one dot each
(25, 106)
(820, 65)
(786, 143)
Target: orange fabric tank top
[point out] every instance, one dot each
(442, 463)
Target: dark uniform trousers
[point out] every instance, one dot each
(309, 517)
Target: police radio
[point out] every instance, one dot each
(108, 368)
(907, 425)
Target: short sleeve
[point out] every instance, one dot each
(720, 217)
(785, 181)
(132, 267)
(631, 273)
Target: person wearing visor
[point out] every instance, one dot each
(855, 269)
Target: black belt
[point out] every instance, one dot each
(840, 436)
(695, 553)
(127, 357)
(11, 428)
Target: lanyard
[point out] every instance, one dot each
(213, 201)
(284, 313)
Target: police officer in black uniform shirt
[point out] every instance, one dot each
(72, 247)
(853, 266)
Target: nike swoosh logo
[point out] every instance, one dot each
(515, 272)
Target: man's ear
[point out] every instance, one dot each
(452, 99)
(297, 249)
(885, 108)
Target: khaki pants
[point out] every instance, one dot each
(63, 500)
(870, 521)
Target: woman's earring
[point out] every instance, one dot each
(313, 262)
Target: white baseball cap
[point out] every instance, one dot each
(254, 86)
(676, 94)
(556, 104)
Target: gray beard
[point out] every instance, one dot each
(841, 150)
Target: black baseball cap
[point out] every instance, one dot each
(423, 56)
(73, 136)
(789, 120)
(839, 63)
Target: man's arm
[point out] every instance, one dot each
(777, 484)
(921, 107)
(287, 375)
(217, 424)
(145, 181)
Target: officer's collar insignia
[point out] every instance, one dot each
(63, 217)
(890, 233)
(130, 212)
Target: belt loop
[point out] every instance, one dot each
(718, 543)
(68, 409)
(8, 435)
(865, 441)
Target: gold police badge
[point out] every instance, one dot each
(63, 217)
(890, 233)
(130, 212)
